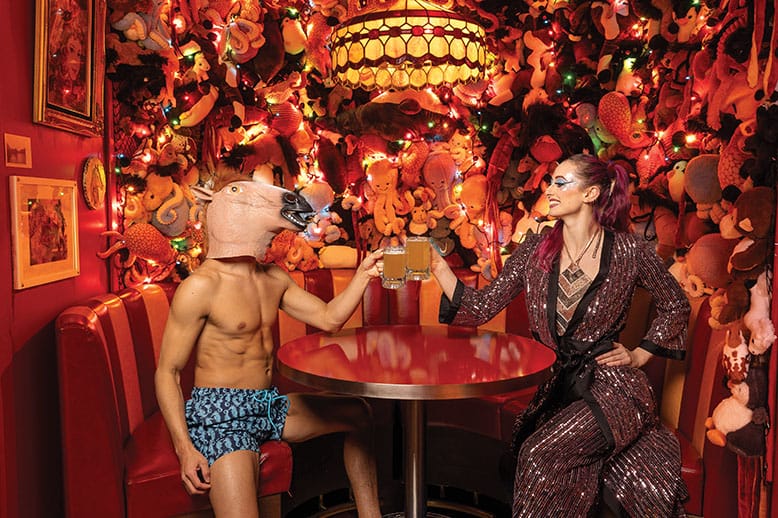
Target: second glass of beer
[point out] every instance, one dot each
(417, 249)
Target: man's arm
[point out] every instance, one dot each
(308, 308)
(188, 314)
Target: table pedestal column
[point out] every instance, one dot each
(414, 419)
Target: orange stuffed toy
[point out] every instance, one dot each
(387, 204)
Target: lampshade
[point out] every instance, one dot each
(413, 44)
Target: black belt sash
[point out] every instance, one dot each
(576, 362)
(573, 374)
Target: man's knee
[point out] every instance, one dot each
(359, 414)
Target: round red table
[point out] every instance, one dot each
(414, 364)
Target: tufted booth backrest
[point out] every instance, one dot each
(107, 348)
(415, 303)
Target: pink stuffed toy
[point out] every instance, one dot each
(439, 172)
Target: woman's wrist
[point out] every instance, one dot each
(639, 357)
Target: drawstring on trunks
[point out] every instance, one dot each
(268, 397)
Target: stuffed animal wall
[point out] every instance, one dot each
(682, 92)
(233, 86)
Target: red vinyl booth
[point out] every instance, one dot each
(118, 459)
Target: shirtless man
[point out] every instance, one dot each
(225, 311)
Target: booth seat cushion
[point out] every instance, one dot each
(153, 476)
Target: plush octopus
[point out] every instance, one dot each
(382, 177)
(142, 241)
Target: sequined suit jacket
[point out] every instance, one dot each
(627, 261)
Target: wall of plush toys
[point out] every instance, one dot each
(681, 92)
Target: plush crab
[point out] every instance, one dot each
(734, 155)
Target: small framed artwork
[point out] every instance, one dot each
(70, 65)
(93, 182)
(44, 230)
(18, 151)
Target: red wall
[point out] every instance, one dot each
(30, 480)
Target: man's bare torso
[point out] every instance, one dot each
(235, 346)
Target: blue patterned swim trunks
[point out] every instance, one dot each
(223, 420)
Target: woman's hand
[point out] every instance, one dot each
(442, 272)
(437, 262)
(620, 355)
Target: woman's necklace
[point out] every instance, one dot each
(574, 262)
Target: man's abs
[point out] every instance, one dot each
(231, 364)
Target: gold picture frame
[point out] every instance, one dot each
(44, 230)
(70, 65)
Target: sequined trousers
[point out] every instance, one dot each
(566, 466)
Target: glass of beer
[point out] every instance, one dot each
(394, 267)
(417, 266)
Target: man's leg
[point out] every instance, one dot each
(234, 485)
(312, 415)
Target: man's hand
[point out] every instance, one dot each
(620, 355)
(372, 264)
(195, 473)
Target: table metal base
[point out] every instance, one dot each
(415, 428)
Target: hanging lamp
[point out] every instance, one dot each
(412, 44)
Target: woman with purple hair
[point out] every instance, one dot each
(591, 435)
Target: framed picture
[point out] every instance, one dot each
(44, 228)
(70, 65)
(18, 151)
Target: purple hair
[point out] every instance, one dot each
(611, 208)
